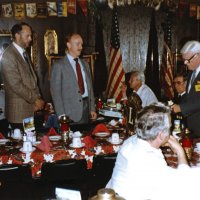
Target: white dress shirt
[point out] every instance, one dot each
(146, 95)
(141, 173)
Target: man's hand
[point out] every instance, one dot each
(39, 104)
(93, 115)
(176, 108)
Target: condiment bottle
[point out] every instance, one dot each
(99, 104)
(187, 143)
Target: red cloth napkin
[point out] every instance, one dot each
(52, 132)
(100, 128)
(45, 145)
(2, 136)
(89, 142)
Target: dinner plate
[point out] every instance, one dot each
(110, 140)
(72, 146)
(102, 134)
(3, 141)
(33, 149)
(55, 137)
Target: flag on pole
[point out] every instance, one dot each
(116, 72)
(167, 69)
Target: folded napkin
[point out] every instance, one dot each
(100, 128)
(89, 142)
(52, 132)
(45, 145)
(2, 136)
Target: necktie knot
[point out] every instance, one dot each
(25, 56)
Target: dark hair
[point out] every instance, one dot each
(181, 74)
(17, 28)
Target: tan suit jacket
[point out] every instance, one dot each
(20, 82)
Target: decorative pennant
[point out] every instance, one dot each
(51, 8)
(19, 9)
(83, 5)
(41, 10)
(182, 8)
(111, 3)
(129, 2)
(7, 10)
(62, 9)
(120, 2)
(198, 12)
(31, 10)
(71, 4)
(193, 10)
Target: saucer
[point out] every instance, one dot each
(72, 146)
(102, 134)
(33, 149)
(110, 140)
(3, 141)
(55, 137)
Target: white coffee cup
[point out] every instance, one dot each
(27, 146)
(198, 146)
(115, 138)
(17, 133)
(76, 142)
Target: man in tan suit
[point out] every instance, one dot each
(22, 96)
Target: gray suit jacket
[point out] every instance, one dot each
(20, 83)
(65, 90)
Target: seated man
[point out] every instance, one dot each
(180, 82)
(141, 171)
(137, 84)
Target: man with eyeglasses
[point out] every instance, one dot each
(190, 107)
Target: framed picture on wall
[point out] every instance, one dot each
(5, 41)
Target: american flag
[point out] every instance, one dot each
(167, 69)
(116, 72)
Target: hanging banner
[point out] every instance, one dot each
(198, 12)
(51, 8)
(41, 10)
(71, 4)
(83, 5)
(19, 9)
(62, 9)
(7, 10)
(31, 10)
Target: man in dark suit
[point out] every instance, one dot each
(190, 107)
(71, 84)
(180, 82)
(22, 96)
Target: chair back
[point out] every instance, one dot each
(14, 172)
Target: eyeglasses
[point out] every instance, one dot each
(189, 60)
(178, 82)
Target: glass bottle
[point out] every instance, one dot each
(187, 143)
(64, 127)
(99, 104)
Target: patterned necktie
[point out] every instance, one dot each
(79, 76)
(26, 57)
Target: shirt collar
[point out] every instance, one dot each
(20, 49)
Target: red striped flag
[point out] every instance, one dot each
(116, 71)
(167, 70)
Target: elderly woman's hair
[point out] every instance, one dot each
(152, 120)
(191, 47)
(140, 75)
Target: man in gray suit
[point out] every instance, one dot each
(70, 97)
(22, 96)
(190, 106)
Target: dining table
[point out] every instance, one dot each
(11, 151)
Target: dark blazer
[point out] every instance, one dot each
(20, 83)
(190, 106)
(65, 91)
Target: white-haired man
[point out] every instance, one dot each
(141, 172)
(190, 107)
(137, 83)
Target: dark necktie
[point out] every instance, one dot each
(26, 57)
(79, 76)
